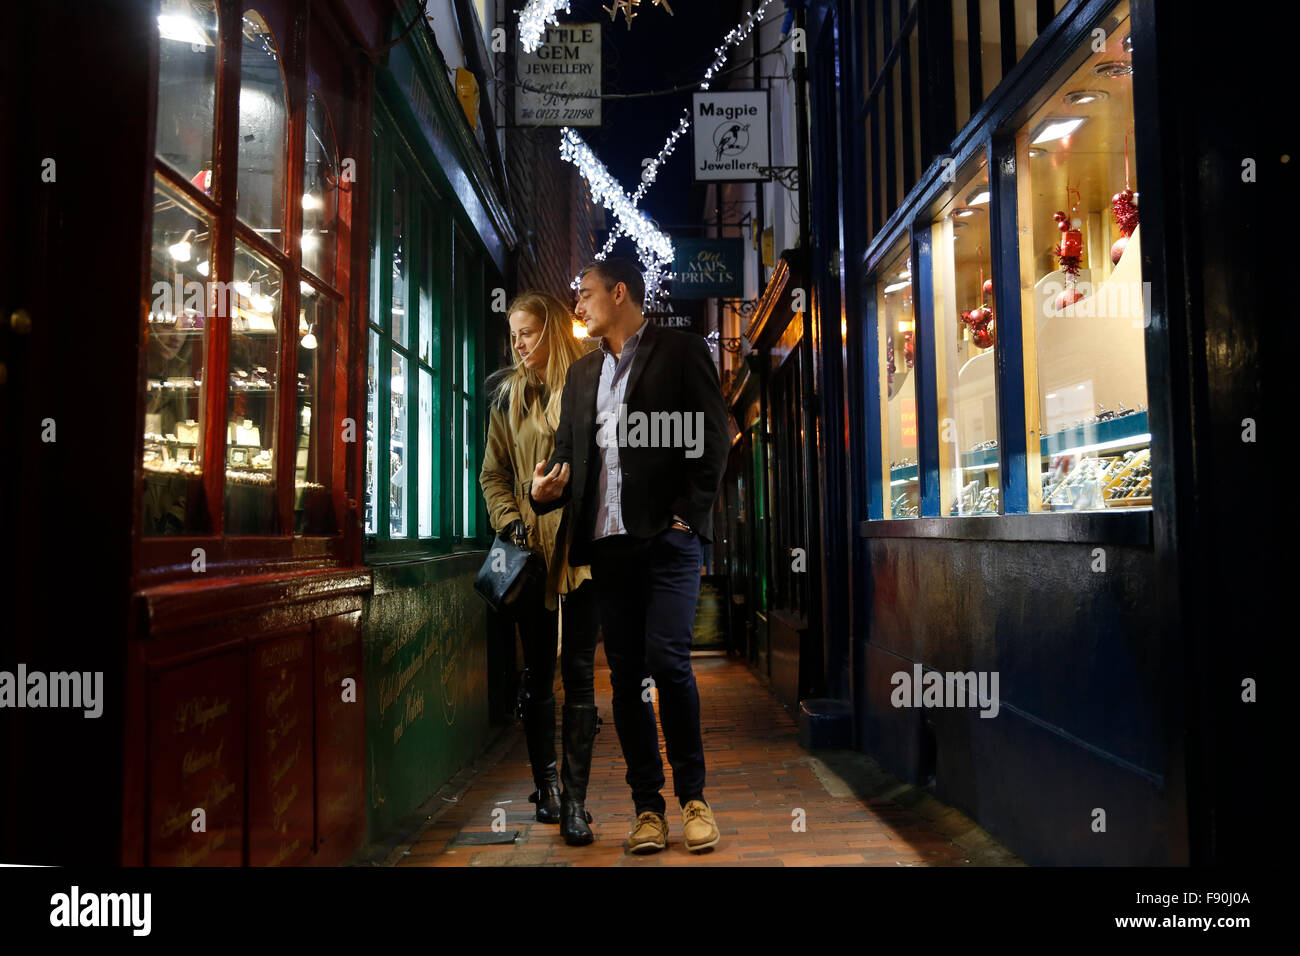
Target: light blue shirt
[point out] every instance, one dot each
(609, 399)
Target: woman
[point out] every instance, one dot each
(525, 410)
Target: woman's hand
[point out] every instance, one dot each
(547, 486)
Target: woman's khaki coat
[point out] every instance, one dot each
(505, 478)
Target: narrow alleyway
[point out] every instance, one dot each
(758, 776)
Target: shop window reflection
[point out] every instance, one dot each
(173, 501)
(965, 338)
(897, 361)
(1081, 281)
(320, 191)
(398, 447)
(187, 84)
(312, 511)
(251, 399)
(262, 129)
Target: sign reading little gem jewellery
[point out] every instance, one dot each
(705, 268)
(567, 63)
(731, 141)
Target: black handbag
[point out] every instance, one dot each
(507, 572)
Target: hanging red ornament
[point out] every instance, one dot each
(909, 350)
(980, 320)
(1124, 207)
(988, 286)
(1069, 251)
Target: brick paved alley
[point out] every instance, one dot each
(857, 815)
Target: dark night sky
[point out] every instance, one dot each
(660, 51)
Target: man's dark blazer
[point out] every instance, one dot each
(672, 371)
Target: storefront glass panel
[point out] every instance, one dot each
(312, 509)
(263, 126)
(252, 394)
(1081, 283)
(187, 86)
(398, 446)
(320, 192)
(897, 362)
(181, 261)
(965, 334)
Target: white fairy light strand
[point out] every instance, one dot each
(736, 37)
(653, 247)
(652, 170)
(537, 15)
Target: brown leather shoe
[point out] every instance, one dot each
(650, 834)
(699, 831)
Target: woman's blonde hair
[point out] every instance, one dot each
(509, 387)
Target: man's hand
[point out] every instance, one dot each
(547, 486)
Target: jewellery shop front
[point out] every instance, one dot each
(1034, 178)
(199, 499)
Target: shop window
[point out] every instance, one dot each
(187, 87)
(175, 380)
(320, 192)
(263, 125)
(965, 337)
(238, 299)
(896, 357)
(1088, 439)
(427, 305)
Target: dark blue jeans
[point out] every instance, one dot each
(647, 591)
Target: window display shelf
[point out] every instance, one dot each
(1126, 431)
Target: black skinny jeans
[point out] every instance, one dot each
(538, 634)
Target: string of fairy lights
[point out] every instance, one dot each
(654, 248)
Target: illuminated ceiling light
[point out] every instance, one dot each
(310, 202)
(964, 212)
(1113, 68)
(978, 196)
(895, 286)
(182, 29)
(1037, 153)
(905, 274)
(308, 341)
(1056, 127)
(535, 18)
(181, 251)
(1084, 97)
(203, 267)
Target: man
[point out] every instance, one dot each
(643, 436)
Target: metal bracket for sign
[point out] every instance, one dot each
(786, 176)
(742, 307)
(732, 345)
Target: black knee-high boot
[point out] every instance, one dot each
(539, 731)
(579, 738)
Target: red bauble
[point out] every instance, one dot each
(1117, 249)
(1067, 298)
(982, 338)
(988, 286)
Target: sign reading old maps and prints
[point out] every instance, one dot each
(568, 63)
(731, 139)
(708, 268)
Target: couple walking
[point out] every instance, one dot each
(620, 522)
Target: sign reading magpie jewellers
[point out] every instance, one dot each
(731, 141)
(568, 63)
(705, 268)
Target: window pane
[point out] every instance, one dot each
(320, 192)
(262, 128)
(187, 86)
(990, 44)
(897, 359)
(251, 401)
(400, 265)
(429, 261)
(372, 433)
(426, 454)
(397, 450)
(1085, 354)
(173, 500)
(961, 61)
(467, 497)
(965, 331)
(313, 512)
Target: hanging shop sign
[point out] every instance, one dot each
(731, 138)
(708, 268)
(687, 315)
(559, 83)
